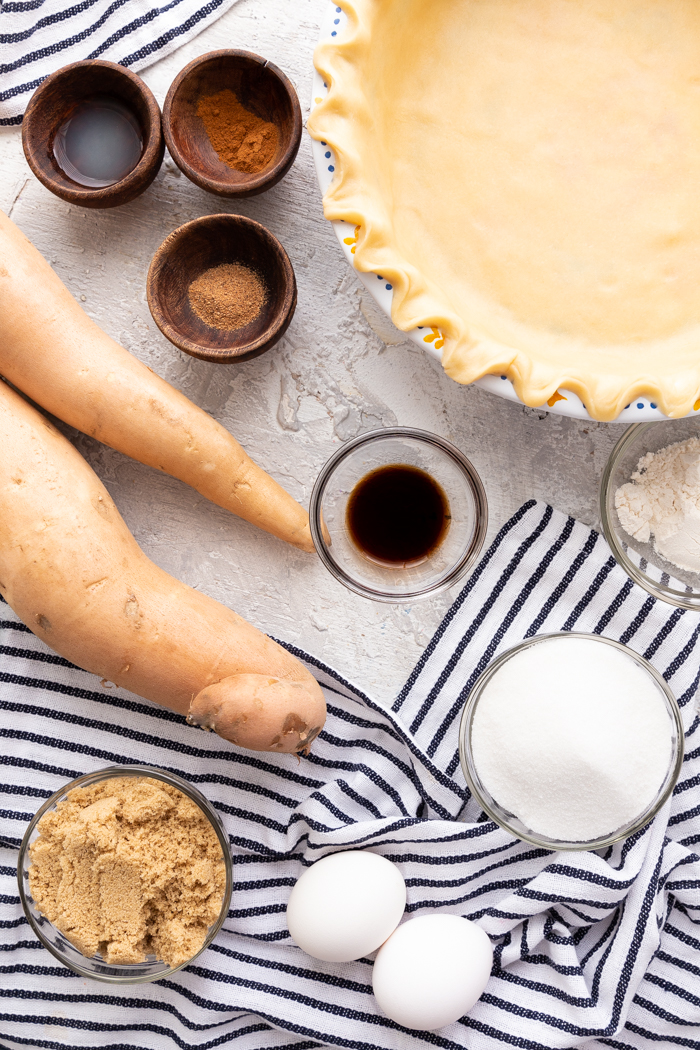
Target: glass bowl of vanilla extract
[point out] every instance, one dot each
(398, 514)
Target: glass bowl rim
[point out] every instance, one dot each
(450, 576)
(469, 770)
(681, 599)
(109, 773)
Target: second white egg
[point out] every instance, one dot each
(432, 970)
(346, 905)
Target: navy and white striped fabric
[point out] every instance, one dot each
(37, 37)
(594, 949)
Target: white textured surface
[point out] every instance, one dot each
(341, 369)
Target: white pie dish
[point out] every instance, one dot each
(563, 402)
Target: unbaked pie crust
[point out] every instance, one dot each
(526, 174)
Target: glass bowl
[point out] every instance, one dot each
(59, 946)
(447, 563)
(641, 561)
(509, 821)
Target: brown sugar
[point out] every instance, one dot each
(241, 139)
(127, 868)
(228, 296)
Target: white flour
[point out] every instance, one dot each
(663, 500)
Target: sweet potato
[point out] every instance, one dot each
(54, 353)
(75, 575)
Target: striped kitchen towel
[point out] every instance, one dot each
(39, 36)
(593, 949)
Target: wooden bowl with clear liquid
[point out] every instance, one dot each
(109, 114)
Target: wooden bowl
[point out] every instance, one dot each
(53, 103)
(262, 88)
(204, 243)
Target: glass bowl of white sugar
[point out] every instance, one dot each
(650, 508)
(571, 741)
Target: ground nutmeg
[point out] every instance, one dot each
(228, 296)
(242, 140)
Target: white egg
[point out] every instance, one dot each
(431, 971)
(345, 905)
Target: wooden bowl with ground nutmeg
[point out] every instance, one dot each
(222, 288)
(232, 123)
(125, 874)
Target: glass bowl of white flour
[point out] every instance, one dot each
(571, 741)
(650, 508)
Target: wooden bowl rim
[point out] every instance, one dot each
(153, 147)
(267, 177)
(277, 326)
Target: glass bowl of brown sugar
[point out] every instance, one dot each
(398, 514)
(222, 288)
(125, 874)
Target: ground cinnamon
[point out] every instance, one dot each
(228, 296)
(241, 139)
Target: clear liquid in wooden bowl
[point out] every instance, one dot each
(99, 143)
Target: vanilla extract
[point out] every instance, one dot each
(397, 515)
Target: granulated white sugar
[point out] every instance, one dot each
(573, 737)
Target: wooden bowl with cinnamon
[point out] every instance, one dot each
(232, 123)
(222, 288)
